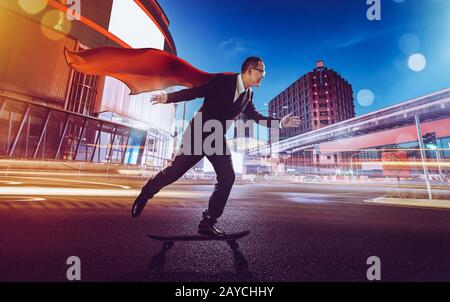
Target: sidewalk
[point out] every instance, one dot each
(422, 203)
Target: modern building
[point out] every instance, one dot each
(320, 98)
(383, 142)
(49, 111)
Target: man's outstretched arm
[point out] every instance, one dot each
(252, 114)
(287, 121)
(184, 94)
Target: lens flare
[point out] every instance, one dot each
(32, 6)
(409, 43)
(55, 25)
(417, 62)
(365, 97)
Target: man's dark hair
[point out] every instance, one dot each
(249, 63)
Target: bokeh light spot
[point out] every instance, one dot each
(32, 6)
(409, 43)
(365, 97)
(55, 25)
(417, 62)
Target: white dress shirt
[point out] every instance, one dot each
(239, 87)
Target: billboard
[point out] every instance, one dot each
(395, 163)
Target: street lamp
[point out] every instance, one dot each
(422, 155)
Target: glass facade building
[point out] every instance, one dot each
(34, 131)
(49, 111)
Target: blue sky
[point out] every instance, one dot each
(217, 35)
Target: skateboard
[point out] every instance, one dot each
(169, 241)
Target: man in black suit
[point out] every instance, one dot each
(226, 95)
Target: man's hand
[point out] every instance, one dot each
(290, 121)
(159, 98)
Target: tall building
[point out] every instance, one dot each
(320, 98)
(49, 111)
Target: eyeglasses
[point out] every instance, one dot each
(263, 72)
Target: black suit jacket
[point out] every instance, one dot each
(219, 96)
(219, 105)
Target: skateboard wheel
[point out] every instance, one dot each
(168, 244)
(233, 244)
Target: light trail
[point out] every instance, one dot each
(50, 191)
(72, 181)
(71, 173)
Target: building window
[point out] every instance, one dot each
(83, 93)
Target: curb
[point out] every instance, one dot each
(420, 203)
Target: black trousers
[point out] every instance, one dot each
(223, 167)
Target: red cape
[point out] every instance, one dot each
(142, 70)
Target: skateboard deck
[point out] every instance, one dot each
(170, 239)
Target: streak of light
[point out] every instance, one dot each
(79, 181)
(40, 173)
(24, 199)
(11, 182)
(130, 172)
(403, 163)
(48, 191)
(371, 150)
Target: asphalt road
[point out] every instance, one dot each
(299, 232)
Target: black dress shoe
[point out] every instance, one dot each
(210, 230)
(138, 206)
